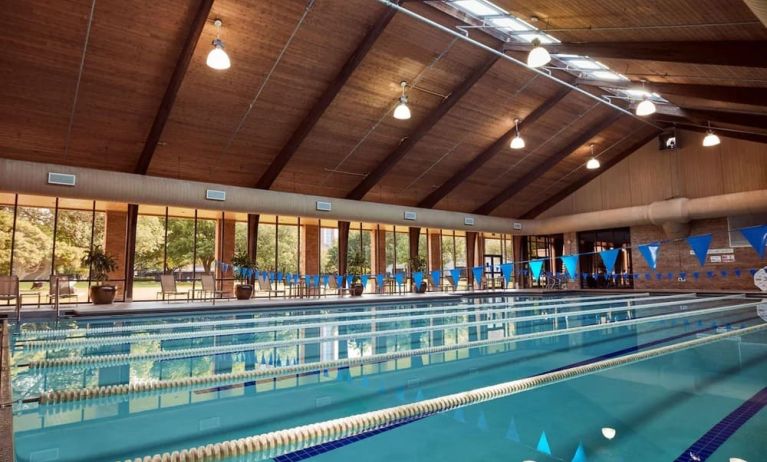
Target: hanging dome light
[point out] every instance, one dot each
(402, 111)
(538, 56)
(593, 163)
(711, 138)
(517, 142)
(608, 432)
(217, 58)
(645, 108)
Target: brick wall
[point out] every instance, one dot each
(435, 252)
(675, 257)
(310, 251)
(225, 232)
(116, 229)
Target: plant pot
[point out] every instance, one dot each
(356, 289)
(420, 289)
(103, 295)
(243, 291)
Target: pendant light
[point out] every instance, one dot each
(711, 138)
(217, 58)
(646, 106)
(593, 163)
(517, 142)
(538, 56)
(402, 111)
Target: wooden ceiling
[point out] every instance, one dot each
(306, 106)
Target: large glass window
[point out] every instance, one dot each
(397, 250)
(205, 249)
(33, 241)
(266, 252)
(150, 255)
(240, 237)
(592, 265)
(328, 249)
(288, 253)
(7, 211)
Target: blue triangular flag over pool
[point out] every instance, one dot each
(379, 281)
(608, 258)
(757, 237)
(400, 278)
(650, 253)
(455, 273)
(571, 264)
(535, 267)
(417, 278)
(508, 271)
(340, 280)
(364, 279)
(435, 277)
(543, 444)
(477, 271)
(580, 454)
(700, 245)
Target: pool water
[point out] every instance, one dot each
(272, 370)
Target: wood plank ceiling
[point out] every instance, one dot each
(306, 106)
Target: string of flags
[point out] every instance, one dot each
(756, 236)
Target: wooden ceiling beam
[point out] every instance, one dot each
(748, 53)
(560, 195)
(501, 143)
(547, 164)
(702, 116)
(313, 116)
(421, 130)
(171, 91)
(755, 96)
(755, 137)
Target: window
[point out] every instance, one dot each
(266, 252)
(328, 250)
(591, 264)
(287, 247)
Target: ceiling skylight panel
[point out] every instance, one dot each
(585, 64)
(478, 7)
(544, 38)
(511, 24)
(606, 75)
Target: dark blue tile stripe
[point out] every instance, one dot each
(722, 431)
(322, 448)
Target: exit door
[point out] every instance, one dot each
(493, 271)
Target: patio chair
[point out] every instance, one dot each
(333, 284)
(209, 288)
(168, 288)
(66, 289)
(9, 290)
(266, 286)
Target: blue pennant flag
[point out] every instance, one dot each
(535, 267)
(695, 275)
(757, 237)
(507, 269)
(752, 271)
(699, 246)
(364, 279)
(724, 273)
(571, 264)
(710, 274)
(580, 454)
(379, 281)
(325, 280)
(417, 278)
(650, 253)
(400, 278)
(296, 278)
(455, 274)
(308, 280)
(340, 280)
(435, 277)
(670, 276)
(279, 275)
(737, 272)
(477, 271)
(316, 279)
(608, 258)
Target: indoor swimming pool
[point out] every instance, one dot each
(619, 377)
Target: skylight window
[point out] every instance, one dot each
(607, 75)
(585, 64)
(544, 38)
(477, 7)
(510, 24)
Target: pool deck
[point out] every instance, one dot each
(159, 307)
(6, 409)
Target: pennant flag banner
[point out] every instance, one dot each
(507, 269)
(535, 267)
(650, 253)
(700, 245)
(379, 281)
(571, 264)
(340, 281)
(417, 278)
(435, 277)
(757, 237)
(400, 278)
(279, 276)
(325, 280)
(608, 258)
(455, 274)
(477, 271)
(364, 279)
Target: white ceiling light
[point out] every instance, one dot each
(711, 139)
(517, 142)
(593, 163)
(217, 58)
(538, 55)
(645, 108)
(402, 111)
(608, 432)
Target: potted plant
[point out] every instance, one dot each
(356, 268)
(418, 264)
(100, 264)
(244, 272)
